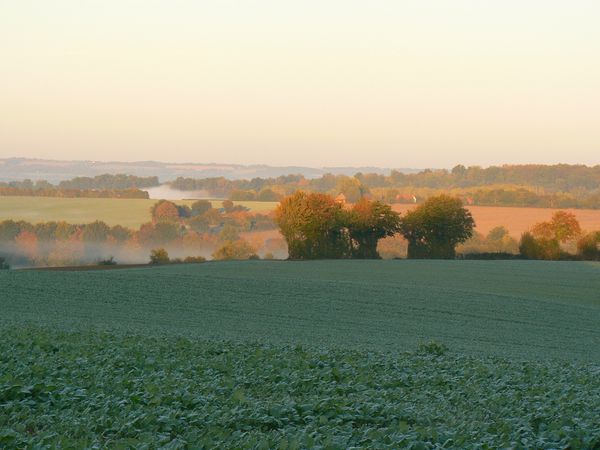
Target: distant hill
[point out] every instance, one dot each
(14, 169)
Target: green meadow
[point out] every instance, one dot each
(130, 213)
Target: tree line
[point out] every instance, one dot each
(8, 191)
(316, 226)
(101, 186)
(557, 186)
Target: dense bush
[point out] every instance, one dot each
(234, 250)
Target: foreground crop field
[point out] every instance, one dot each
(292, 355)
(511, 308)
(102, 390)
(114, 211)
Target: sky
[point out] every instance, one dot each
(424, 83)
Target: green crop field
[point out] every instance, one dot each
(261, 354)
(114, 211)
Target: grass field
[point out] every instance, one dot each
(114, 211)
(325, 354)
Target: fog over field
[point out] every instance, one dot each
(166, 192)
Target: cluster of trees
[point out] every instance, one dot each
(553, 239)
(315, 226)
(101, 186)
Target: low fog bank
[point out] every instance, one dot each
(166, 192)
(78, 253)
(66, 253)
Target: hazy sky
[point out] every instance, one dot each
(328, 82)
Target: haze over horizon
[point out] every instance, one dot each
(345, 83)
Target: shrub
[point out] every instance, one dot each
(3, 264)
(159, 256)
(539, 248)
(234, 250)
(194, 259)
(107, 262)
(588, 247)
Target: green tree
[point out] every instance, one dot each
(119, 233)
(435, 228)
(9, 229)
(532, 247)
(199, 224)
(46, 231)
(199, 207)
(268, 195)
(96, 232)
(313, 226)
(368, 222)
(352, 189)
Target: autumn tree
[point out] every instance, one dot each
(164, 210)
(563, 227)
(313, 226)
(435, 228)
(545, 238)
(368, 222)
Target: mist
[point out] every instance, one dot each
(166, 192)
